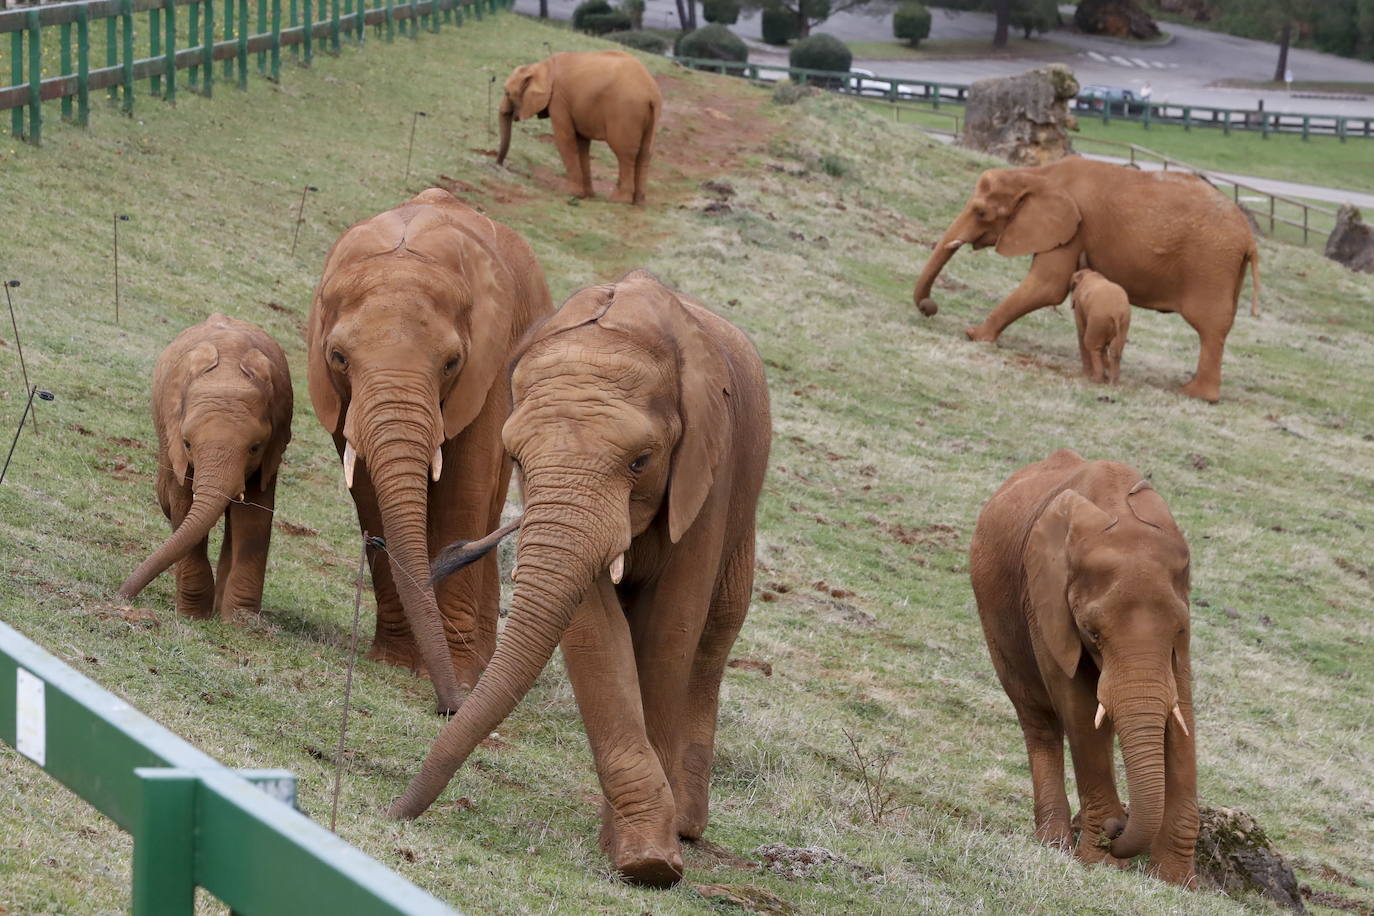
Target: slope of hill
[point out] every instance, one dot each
(891, 430)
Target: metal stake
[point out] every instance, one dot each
(42, 396)
(12, 284)
(348, 681)
(118, 218)
(491, 130)
(413, 121)
(300, 213)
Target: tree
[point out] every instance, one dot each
(911, 22)
(1035, 15)
(1009, 12)
(810, 13)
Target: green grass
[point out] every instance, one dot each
(957, 48)
(890, 432)
(1300, 85)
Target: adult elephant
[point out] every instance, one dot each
(1171, 240)
(412, 324)
(641, 428)
(1081, 578)
(592, 95)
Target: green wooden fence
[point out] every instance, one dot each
(195, 823)
(151, 40)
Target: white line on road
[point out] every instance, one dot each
(1140, 63)
(1098, 57)
(1116, 58)
(1157, 65)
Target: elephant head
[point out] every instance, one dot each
(410, 327)
(620, 419)
(527, 94)
(1117, 588)
(221, 422)
(1020, 211)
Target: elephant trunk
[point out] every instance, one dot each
(1140, 724)
(562, 549)
(507, 116)
(214, 484)
(944, 250)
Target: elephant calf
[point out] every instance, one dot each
(641, 428)
(1081, 578)
(1103, 315)
(222, 408)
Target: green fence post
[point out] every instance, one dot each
(414, 18)
(1340, 127)
(1306, 125)
(207, 53)
(935, 96)
(192, 37)
(112, 51)
(1226, 124)
(362, 22)
(276, 41)
(171, 43)
(1264, 126)
(262, 29)
(164, 853)
(1187, 117)
(334, 28)
(127, 17)
(294, 13)
(228, 36)
(308, 24)
(477, 8)
(346, 26)
(243, 44)
(17, 77)
(390, 21)
(83, 65)
(1148, 107)
(155, 48)
(66, 33)
(34, 20)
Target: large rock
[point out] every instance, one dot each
(1235, 855)
(1352, 241)
(1118, 18)
(1024, 119)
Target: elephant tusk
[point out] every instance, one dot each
(1101, 714)
(1178, 714)
(513, 568)
(350, 459)
(618, 569)
(239, 498)
(436, 464)
(955, 245)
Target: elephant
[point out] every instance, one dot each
(641, 428)
(592, 95)
(412, 323)
(1081, 578)
(222, 410)
(1171, 240)
(1103, 316)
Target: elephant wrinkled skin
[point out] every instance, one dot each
(1172, 241)
(1081, 578)
(412, 325)
(592, 95)
(641, 427)
(222, 409)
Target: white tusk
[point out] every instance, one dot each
(1178, 714)
(1101, 714)
(350, 459)
(955, 245)
(618, 569)
(436, 464)
(239, 498)
(513, 568)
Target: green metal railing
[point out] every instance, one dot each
(895, 88)
(195, 823)
(161, 45)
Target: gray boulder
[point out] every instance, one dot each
(1024, 119)
(1352, 241)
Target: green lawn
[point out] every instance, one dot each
(890, 432)
(953, 48)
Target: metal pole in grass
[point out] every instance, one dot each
(42, 396)
(491, 130)
(379, 544)
(118, 218)
(413, 121)
(300, 217)
(18, 344)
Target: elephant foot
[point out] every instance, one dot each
(1057, 835)
(622, 197)
(196, 607)
(1209, 392)
(690, 826)
(1175, 871)
(980, 334)
(642, 854)
(402, 655)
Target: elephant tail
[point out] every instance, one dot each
(1253, 257)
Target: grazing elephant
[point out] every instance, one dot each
(593, 95)
(1103, 316)
(222, 409)
(1171, 240)
(1081, 578)
(641, 428)
(411, 328)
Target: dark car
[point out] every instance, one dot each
(1113, 98)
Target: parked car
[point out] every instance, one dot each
(1113, 98)
(865, 82)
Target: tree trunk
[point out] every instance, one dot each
(1003, 10)
(803, 23)
(682, 15)
(1284, 38)
(543, 9)
(691, 13)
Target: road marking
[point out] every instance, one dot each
(1157, 65)
(1121, 60)
(1173, 66)
(1098, 57)
(1140, 63)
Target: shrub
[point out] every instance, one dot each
(790, 93)
(1035, 15)
(589, 8)
(821, 52)
(713, 42)
(635, 10)
(726, 12)
(911, 22)
(779, 27)
(601, 23)
(640, 41)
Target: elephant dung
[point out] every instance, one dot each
(1118, 18)
(1024, 119)
(1235, 855)
(1352, 241)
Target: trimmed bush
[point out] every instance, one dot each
(726, 12)
(821, 52)
(601, 23)
(640, 41)
(911, 22)
(713, 42)
(635, 10)
(779, 27)
(589, 8)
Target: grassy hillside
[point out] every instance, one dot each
(891, 430)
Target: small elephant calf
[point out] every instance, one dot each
(1103, 314)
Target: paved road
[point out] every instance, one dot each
(1182, 71)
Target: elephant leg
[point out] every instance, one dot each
(252, 524)
(626, 145)
(1206, 382)
(195, 581)
(1099, 367)
(646, 149)
(1114, 351)
(1085, 357)
(584, 165)
(1045, 749)
(570, 146)
(1046, 284)
(638, 832)
(1091, 749)
(1172, 853)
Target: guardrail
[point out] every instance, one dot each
(170, 47)
(1144, 112)
(195, 823)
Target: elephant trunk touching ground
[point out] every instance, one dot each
(949, 243)
(507, 116)
(217, 479)
(1140, 717)
(566, 542)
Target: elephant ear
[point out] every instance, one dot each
(259, 367)
(1044, 219)
(704, 389)
(536, 89)
(197, 361)
(323, 395)
(1047, 573)
(485, 323)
